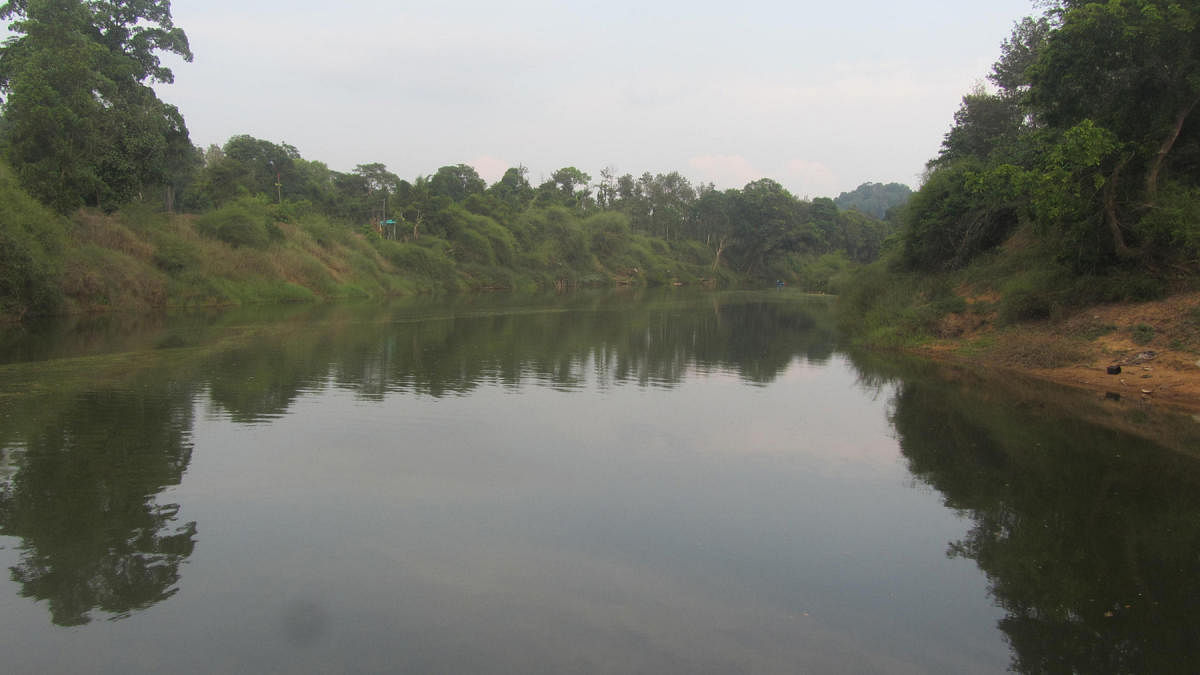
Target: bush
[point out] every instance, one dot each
(471, 246)
(173, 255)
(608, 233)
(244, 222)
(1024, 305)
(420, 261)
(819, 275)
(322, 231)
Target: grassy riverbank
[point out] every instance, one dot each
(251, 251)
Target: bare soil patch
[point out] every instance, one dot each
(1155, 344)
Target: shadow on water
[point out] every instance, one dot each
(1089, 536)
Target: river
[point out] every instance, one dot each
(596, 482)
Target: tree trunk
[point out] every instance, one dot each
(720, 250)
(1110, 212)
(1164, 149)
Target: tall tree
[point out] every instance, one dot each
(513, 189)
(456, 182)
(1132, 67)
(81, 124)
(985, 124)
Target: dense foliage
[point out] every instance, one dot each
(81, 125)
(1073, 180)
(1088, 139)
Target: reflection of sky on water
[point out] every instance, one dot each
(710, 526)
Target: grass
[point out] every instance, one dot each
(1037, 351)
(1096, 331)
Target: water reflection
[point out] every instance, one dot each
(456, 349)
(96, 438)
(83, 502)
(1089, 536)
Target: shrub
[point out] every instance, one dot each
(471, 246)
(1172, 227)
(173, 255)
(420, 261)
(243, 222)
(322, 231)
(608, 233)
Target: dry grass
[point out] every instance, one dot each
(104, 232)
(1036, 350)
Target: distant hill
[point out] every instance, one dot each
(874, 199)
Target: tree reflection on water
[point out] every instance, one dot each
(83, 503)
(1089, 537)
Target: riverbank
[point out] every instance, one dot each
(1155, 345)
(252, 252)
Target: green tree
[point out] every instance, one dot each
(962, 210)
(513, 189)
(874, 199)
(456, 182)
(670, 195)
(568, 187)
(768, 220)
(1131, 68)
(985, 124)
(823, 214)
(710, 219)
(1018, 53)
(81, 125)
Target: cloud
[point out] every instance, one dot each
(725, 171)
(489, 168)
(810, 179)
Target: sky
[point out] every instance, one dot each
(819, 96)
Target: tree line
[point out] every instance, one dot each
(81, 127)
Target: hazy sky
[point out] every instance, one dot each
(819, 96)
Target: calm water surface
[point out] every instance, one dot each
(660, 483)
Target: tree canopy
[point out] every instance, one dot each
(81, 124)
(1090, 137)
